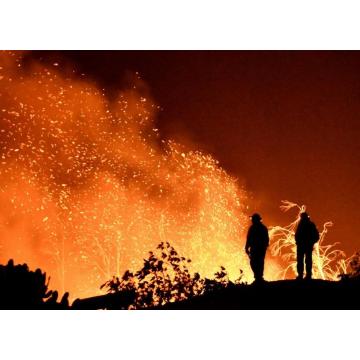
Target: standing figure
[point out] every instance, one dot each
(256, 244)
(306, 236)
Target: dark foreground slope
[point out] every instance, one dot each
(286, 294)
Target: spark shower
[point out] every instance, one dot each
(88, 185)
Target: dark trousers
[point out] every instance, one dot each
(300, 254)
(257, 264)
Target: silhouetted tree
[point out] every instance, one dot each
(25, 289)
(165, 278)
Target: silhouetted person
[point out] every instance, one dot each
(306, 236)
(256, 244)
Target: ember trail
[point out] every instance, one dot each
(88, 185)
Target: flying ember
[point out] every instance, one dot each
(88, 186)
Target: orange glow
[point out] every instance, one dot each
(87, 186)
(328, 261)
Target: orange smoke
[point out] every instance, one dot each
(87, 186)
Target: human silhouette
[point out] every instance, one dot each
(256, 244)
(306, 236)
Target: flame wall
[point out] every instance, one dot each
(87, 186)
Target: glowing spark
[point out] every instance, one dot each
(88, 187)
(328, 261)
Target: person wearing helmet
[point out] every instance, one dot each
(256, 244)
(306, 236)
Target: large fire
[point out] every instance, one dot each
(87, 186)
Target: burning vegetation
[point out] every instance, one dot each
(88, 186)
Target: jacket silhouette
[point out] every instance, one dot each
(306, 236)
(256, 244)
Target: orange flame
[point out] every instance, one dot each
(87, 186)
(328, 261)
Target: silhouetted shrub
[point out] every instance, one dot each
(353, 268)
(25, 289)
(165, 278)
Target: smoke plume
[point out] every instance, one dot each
(87, 185)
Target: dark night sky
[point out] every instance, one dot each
(285, 123)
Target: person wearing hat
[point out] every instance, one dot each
(306, 236)
(257, 242)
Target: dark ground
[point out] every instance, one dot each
(281, 295)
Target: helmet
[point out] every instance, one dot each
(255, 217)
(304, 216)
